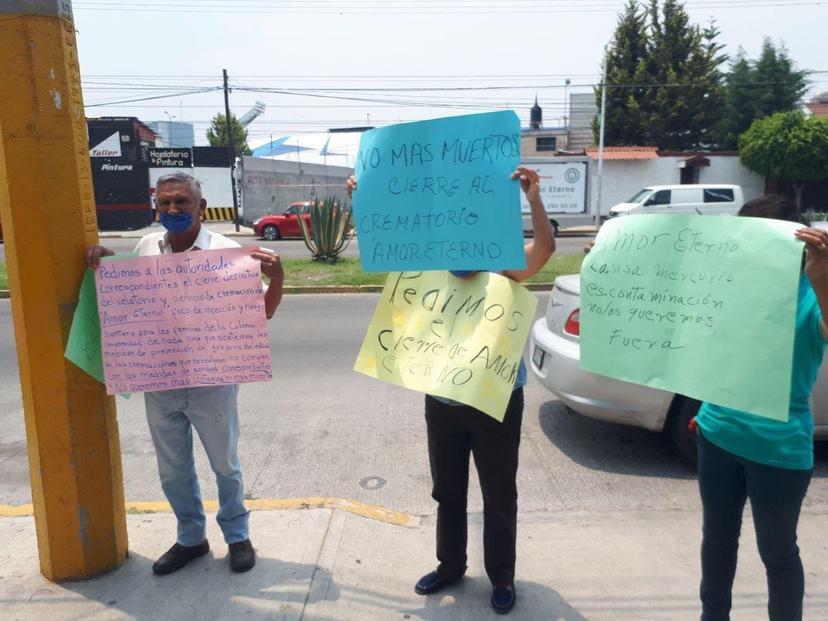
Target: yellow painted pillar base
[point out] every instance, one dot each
(47, 210)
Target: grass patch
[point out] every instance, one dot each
(347, 271)
(558, 265)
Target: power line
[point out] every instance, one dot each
(108, 103)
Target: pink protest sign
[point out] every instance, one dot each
(184, 319)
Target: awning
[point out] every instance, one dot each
(625, 153)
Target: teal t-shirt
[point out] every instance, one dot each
(788, 445)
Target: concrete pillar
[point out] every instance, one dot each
(47, 209)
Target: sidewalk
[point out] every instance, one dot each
(333, 565)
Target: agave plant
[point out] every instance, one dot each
(330, 228)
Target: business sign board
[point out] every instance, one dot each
(562, 187)
(170, 158)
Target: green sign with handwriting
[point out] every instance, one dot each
(698, 305)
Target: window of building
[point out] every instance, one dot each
(546, 143)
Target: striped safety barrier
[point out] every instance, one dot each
(218, 214)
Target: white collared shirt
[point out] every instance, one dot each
(159, 243)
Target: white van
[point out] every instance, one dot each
(699, 199)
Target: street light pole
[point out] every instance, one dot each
(169, 128)
(231, 151)
(601, 139)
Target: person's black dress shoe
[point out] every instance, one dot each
(503, 598)
(177, 556)
(432, 582)
(242, 556)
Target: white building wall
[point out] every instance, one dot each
(623, 178)
(729, 169)
(215, 183)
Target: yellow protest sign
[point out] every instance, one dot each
(461, 339)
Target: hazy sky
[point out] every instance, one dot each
(145, 48)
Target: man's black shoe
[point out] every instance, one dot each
(177, 556)
(242, 556)
(503, 598)
(432, 582)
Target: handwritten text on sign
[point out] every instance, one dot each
(456, 338)
(701, 306)
(437, 195)
(184, 319)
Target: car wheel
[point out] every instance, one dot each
(271, 233)
(683, 439)
(554, 228)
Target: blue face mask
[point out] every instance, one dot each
(462, 273)
(176, 223)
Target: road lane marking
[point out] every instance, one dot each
(373, 512)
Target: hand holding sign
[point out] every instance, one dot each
(529, 183)
(182, 319)
(456, 338)
(437, 195)
(674, 302)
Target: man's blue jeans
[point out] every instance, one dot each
(213, 412)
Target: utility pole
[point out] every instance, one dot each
(601, 140)
(231, 151)
(71, 424)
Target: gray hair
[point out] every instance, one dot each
(181, 177)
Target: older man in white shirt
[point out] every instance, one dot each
(211, 410)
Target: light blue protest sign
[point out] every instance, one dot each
(437, 195)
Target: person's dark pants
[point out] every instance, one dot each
(776, 495)
(453, 433)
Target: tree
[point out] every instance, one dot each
(664, 83)
(688, 94)
(787, 146)
(625, 64)
(217, 134)
(740, 102)
(756, 89)
(780, 85)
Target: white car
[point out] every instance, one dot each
(701, 199)
(555, 352)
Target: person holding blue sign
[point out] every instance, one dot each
(743, 456)
(456, 431)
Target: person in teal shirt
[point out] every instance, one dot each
(741, 455)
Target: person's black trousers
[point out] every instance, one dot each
(776, 494)
(455, 431)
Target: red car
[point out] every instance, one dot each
(285, 224)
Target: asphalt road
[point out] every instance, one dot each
(296, 247)
(320, 429)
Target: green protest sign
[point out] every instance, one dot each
(84, 344)
(701, 306)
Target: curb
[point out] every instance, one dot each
(374, 512)
(299, 290)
